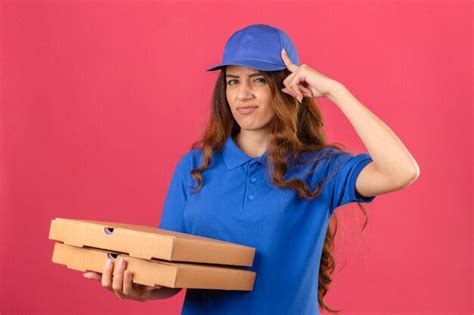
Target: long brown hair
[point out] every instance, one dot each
(295, 129)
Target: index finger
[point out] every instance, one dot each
(106, 279)
(287, 61)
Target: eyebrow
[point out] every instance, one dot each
(250, 75)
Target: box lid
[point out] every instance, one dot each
(149, 242)
(157, 272)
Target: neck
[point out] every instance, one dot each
(253, 143)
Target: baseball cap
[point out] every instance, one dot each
(258, 46)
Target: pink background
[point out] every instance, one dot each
(100, 98)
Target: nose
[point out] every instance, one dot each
(245, 91)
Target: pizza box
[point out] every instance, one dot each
(149, 242)
(157, 272)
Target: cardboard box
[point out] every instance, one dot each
(149, 242)
(155, 272)
(155, 256)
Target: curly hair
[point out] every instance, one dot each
(296, 130)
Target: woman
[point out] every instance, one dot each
(263, 175)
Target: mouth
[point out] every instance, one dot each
(246, 109)
(246, 106)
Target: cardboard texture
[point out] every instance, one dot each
(155, 272)
(154, 256)
(150, 242)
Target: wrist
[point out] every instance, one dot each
(164, 293)
(336, 90)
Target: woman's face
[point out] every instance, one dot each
(248, 87)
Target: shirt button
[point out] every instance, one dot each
(250, 197)
(253, 179)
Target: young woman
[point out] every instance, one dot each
(263, 175)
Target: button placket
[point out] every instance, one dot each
(250, 191)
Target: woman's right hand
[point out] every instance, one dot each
(119, 281)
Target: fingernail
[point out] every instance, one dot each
(122, 262)
(300, 100)
(283, 50)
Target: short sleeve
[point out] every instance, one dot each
(346, 168)
(172, 217)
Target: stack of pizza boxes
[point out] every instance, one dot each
(154, 256)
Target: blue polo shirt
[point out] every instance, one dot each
(238, 203)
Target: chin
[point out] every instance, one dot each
(252, 127)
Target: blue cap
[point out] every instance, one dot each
(257, 46)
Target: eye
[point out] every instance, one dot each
(262, 80)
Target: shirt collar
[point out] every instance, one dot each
(233, 156)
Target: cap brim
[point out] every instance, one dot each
(256, 64)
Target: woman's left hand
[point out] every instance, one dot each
(305, 81)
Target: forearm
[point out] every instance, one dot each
(390, 155)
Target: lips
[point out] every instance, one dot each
(246, 106)
(246, 109)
